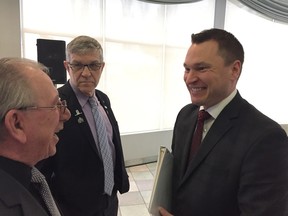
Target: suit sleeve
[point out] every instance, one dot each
(263, 188)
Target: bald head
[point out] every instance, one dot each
(16, 77)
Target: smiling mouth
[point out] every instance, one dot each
(197, 89)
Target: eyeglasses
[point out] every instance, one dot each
(61, 105)
(92, 67)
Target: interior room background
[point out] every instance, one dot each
(144, 49)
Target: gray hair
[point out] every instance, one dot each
(15, 90)
(82, 45)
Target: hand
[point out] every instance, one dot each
(164, 212)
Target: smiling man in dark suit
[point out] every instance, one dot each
(241, 166)
(76, 173)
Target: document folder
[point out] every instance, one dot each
(162, 187)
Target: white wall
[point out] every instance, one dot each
(144, 147)
(10, 38)
(285, 127)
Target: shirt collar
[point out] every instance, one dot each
(215, 110)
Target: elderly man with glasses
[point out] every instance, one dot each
(31, 114)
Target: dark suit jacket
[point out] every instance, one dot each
(240, 169)
(16, 200)
(76, 173)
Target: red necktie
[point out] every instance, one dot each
(197, 137)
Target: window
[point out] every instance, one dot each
(263, 81)
(144, 49)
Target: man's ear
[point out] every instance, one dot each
(15, 126)
(65, 63)
(103, 65)
(236, 69)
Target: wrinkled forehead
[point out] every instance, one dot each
(96, 53)
(86, 57)
(41, 84)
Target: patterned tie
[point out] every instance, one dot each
(197, 137)
(44, 191)
(105, 150)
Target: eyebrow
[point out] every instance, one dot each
(79, 62)
(198, 64)
(202, 64)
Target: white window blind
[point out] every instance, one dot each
(263, 81)
(144, 49)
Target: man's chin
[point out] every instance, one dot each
(51, 153)
(52, 148)
(87, 91)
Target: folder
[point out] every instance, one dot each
(162, 187)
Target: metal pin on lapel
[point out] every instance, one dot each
(77, 113)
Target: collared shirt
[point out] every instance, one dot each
(215, 110)
(84, 102)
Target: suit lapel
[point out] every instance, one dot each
(217, 131)
(191, 121)
(77, 115)
(85, 129)
(220, 127)
(19, 196)
(106, 106)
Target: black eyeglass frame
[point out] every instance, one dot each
(80, 67)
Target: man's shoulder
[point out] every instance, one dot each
(64, 88)
(189, 108)
(100, 93)
(102, 97)
(9, 186)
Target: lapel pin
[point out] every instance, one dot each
(80, 120)
(77, 113)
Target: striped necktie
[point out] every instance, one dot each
(41, 185)
(105, 150)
